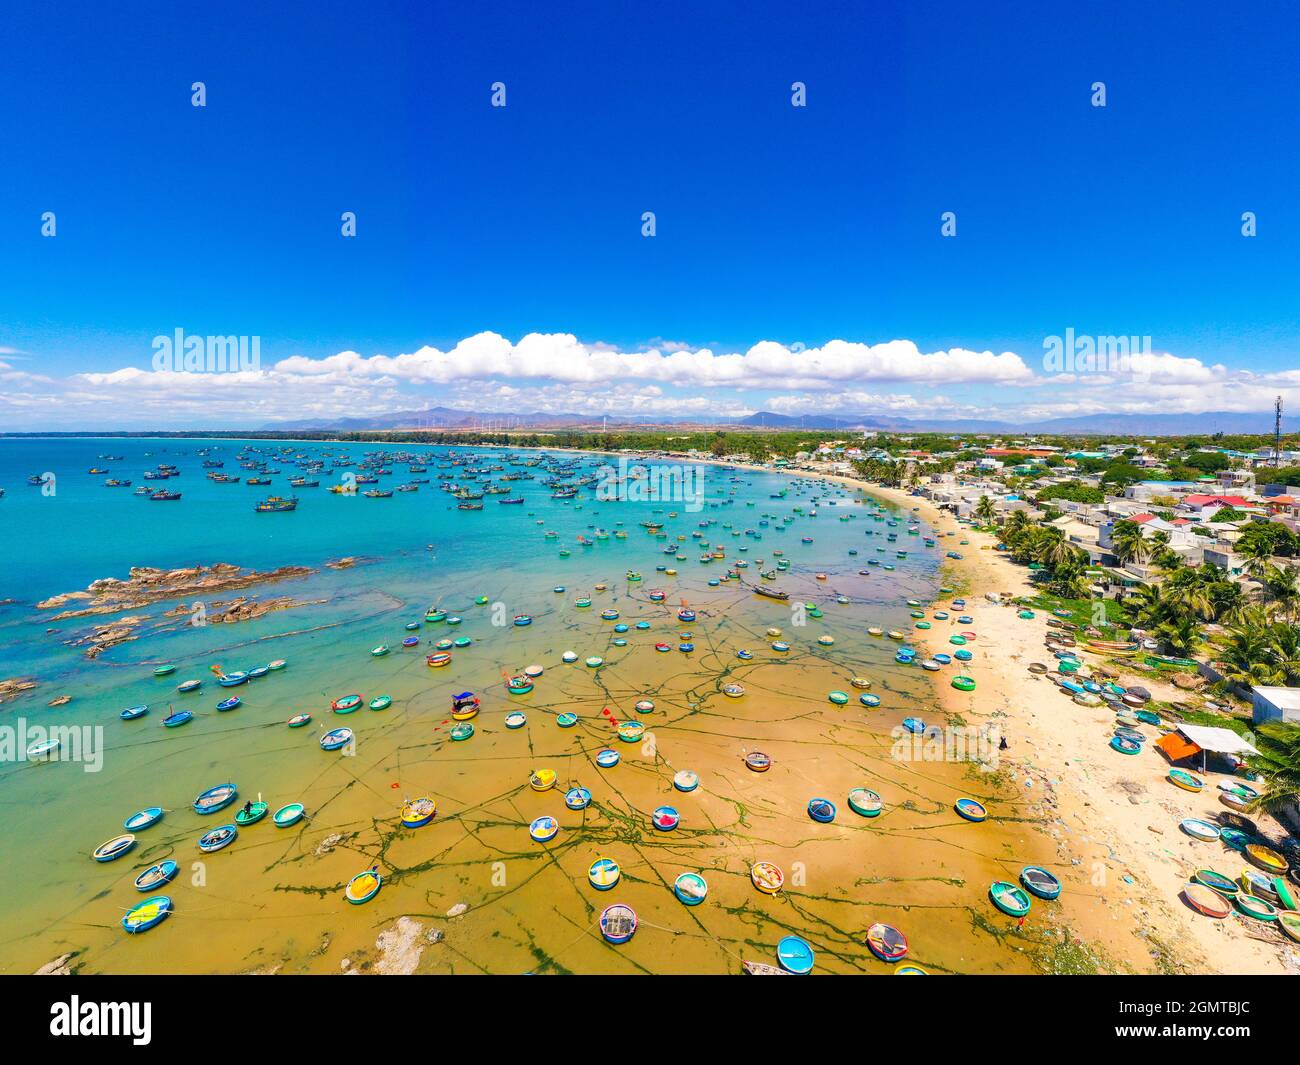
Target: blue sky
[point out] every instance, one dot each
(800, 226)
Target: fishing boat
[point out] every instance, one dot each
(218, 838)
(461, 732)
(215, 798)
(157, 875)
(138, 822)
(381, 702)
(971, 809)
(869, 700)
(913, 724)
(795, 955)
(544, 829)
(767, 877)
(577, 798)
(251, 814)
(690, 888)
(113, 848)
(516, 719)
(618, 923)
(1010, 899)
(1216, 882)
(665, 818)
(821, 810)
(276, 505)
(163, 671)
(380, 651)
(886, 942)
(771, 593)
(1256, 883)
(231, 680)
(1199, 829)
(758, 762)
(1265, 858)
(631, 731)
(298, 720)
(346, 704)
(336, 738)
(178, 718)
(608, 759)
(1253, 906)
(145, 915)
(288, 815)
(1182, 779)
(542, 779)
(1125, 745)
(604, 874)
(187, 686)
(229, 704)
(865, 802)
(363, 887)
(1038, 881)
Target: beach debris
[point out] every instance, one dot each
(399, 948)
(60, 966)
(458, 909)
(329, 843)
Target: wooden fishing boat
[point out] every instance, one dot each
(461, 732)
(762, 968)
(113, 848)
(363, 887)
(1253, 882)
(145, 915)
(886, 942)
(767, 877)
(178, 718)
(163, 671)
(215, 798)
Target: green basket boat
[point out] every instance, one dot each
(865, 802)
(1216, 882)
(1253, 906)
(1010, 899)
(963, 684)
(381, 702)
(255, 812)
(839, 698)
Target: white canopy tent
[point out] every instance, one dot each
(1216, 740)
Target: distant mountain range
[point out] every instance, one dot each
(1119, 424)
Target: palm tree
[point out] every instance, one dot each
(1256, 548)
(1181, 633)
(1281, 589)
(985, 510)
(1278, 762)
(1128, 543)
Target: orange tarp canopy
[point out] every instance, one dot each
(1177, 746)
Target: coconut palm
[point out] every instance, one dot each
(1278, 762)
(1282, 590)
(1128, 543)
(985, 510)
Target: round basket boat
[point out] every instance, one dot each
(1216, 882)
(758, 762)
(1234, 801)
(594, 662)
(544, 829)
(869, 700)
(1265, 858)
(963, 683)
(821, 810)
(516, 719)
(607, 758)
(439, 659)
(519, 685)
(381, 702)
(577, 798)
(542, 779)
(1010, 899)
(335, 739)
(113, 848)
(363, 887)
(145, 915)
(1180, 778)
(971, 809)
(138, 822)
(865, 802)
(218, 838)
(566, 719)
(346, 704)
(1125, 745)
(767, 877)
(1206, 902)
(1198, 829)
(604, 874)
(690, 888)
(686, 780)
(288, 815)
(157, 875)
(1038, 881)
(665, 818)
(631, 731)
(839, 698)
(1253, 906)
(861, 683)
(252, 814)
(645, 706)
(462, 731)
(618, 923)
(886, 942)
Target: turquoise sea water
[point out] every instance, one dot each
(417, 550)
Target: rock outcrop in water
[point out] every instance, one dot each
(15, 686)
(146, 586)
